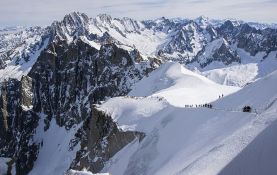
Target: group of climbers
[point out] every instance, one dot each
(206, 105)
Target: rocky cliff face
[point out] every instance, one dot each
(248, 38)
(68, 79)
(18, 124)
(101, 139)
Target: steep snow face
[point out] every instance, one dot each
(55, 149)
(172, 78)
(4, 165)
(191, 140)
(235, 75)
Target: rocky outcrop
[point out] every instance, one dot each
(101, 140)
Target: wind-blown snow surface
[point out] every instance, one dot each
(192, 140)
(180, 86)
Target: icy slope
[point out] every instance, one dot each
(190, 140)
(180, 86)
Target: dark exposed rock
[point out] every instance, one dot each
(68, 79)
(63, 84)
(101, 139)
(17, 125)
(250, 39)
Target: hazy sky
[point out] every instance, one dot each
(43, 12)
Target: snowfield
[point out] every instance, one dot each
(195, 140)
(180, 86)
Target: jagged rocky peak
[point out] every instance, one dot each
(161, 24)
(186, 42)
(73, 25)
(246, 28)
(131, 25)
(202, 21)
(218, 50)
(227, 26)
(104, 18)
(191, 26)
(165, 25)
(122, 25)
(76, 19)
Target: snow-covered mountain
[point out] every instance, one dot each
(201, 43)
(125, 96)
(197, 140)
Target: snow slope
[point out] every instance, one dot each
(180, 86)
(55, 151)
(191, 140)
(4, 165)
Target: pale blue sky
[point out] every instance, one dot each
(43, 12)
